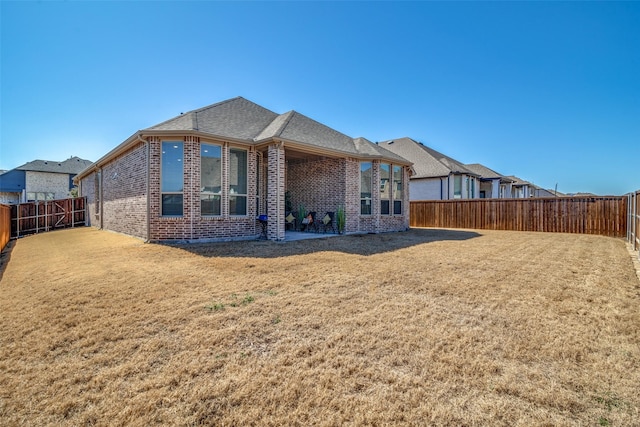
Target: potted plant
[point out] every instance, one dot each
(340, 219)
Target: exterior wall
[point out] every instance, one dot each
(352, 195)
(88, 189)
(124, 193)
(319, 185)
(491, 188)
(275, 192)
(377, 223)
(9, 198)
(428, 189)
(48, 182)
(121, 204)
(191, 225)
(324, 185)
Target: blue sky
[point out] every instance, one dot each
(547, 91)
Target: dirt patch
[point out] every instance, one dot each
(435, 327)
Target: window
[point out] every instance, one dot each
(473, 188)
(172, 178)
(397, 190)
(40, 196)
(457, 186)
(385, 192)
(237, 182)
(365, 188)
(210, 179)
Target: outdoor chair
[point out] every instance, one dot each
(327, 222)
(291, 221)
(309, 223)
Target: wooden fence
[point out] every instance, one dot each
(633, 221)
(5, 225)
(588, 215)
(36, 217)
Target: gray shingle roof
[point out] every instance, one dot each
(70, 166)
(234, 118)
(483, 171)
(427, 162)
(518, 181)
(241, 119)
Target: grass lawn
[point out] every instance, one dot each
(427, 327)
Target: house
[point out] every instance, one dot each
(435, 175)
(540, 192)
(492, 184)
(209, 173)
(520, 189)
(40, 180)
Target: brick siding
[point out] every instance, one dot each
(321, 185)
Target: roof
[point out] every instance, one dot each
(485, 173)
(241, 120)
(427, 162)
(71, 166)
(518, 181)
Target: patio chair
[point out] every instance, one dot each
(327, 222)
(309, 223)
(291, 221)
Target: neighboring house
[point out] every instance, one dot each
(520, 189)
(40, 180)
(208, 173)
(435, 176)
(492, 184)
(540, 192)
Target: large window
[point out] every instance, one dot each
(397, 190)
(237, 181)
(210, 179)
(366, 173)
(172, 178)
(385, 188)
(457, 186)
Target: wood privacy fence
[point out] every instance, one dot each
(36, 217)
(5, 225)
(633, 221)
(588, 215)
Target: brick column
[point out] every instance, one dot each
(275, 192)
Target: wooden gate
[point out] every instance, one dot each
(36, 217)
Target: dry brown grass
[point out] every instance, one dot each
(428, 327)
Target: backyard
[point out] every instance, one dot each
(426, 327)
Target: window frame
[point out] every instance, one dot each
(236, 195)
(364, 200)
(385, 202)
(212, 194)
(397, 201)
(164, 192)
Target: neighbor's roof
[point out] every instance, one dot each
(427, 162)
(243, 121)
(518, 181)
(70, 166)
(486, 173)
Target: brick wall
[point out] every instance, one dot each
(323, 185)
(319, 186)
(191, 225)
(124, 191)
